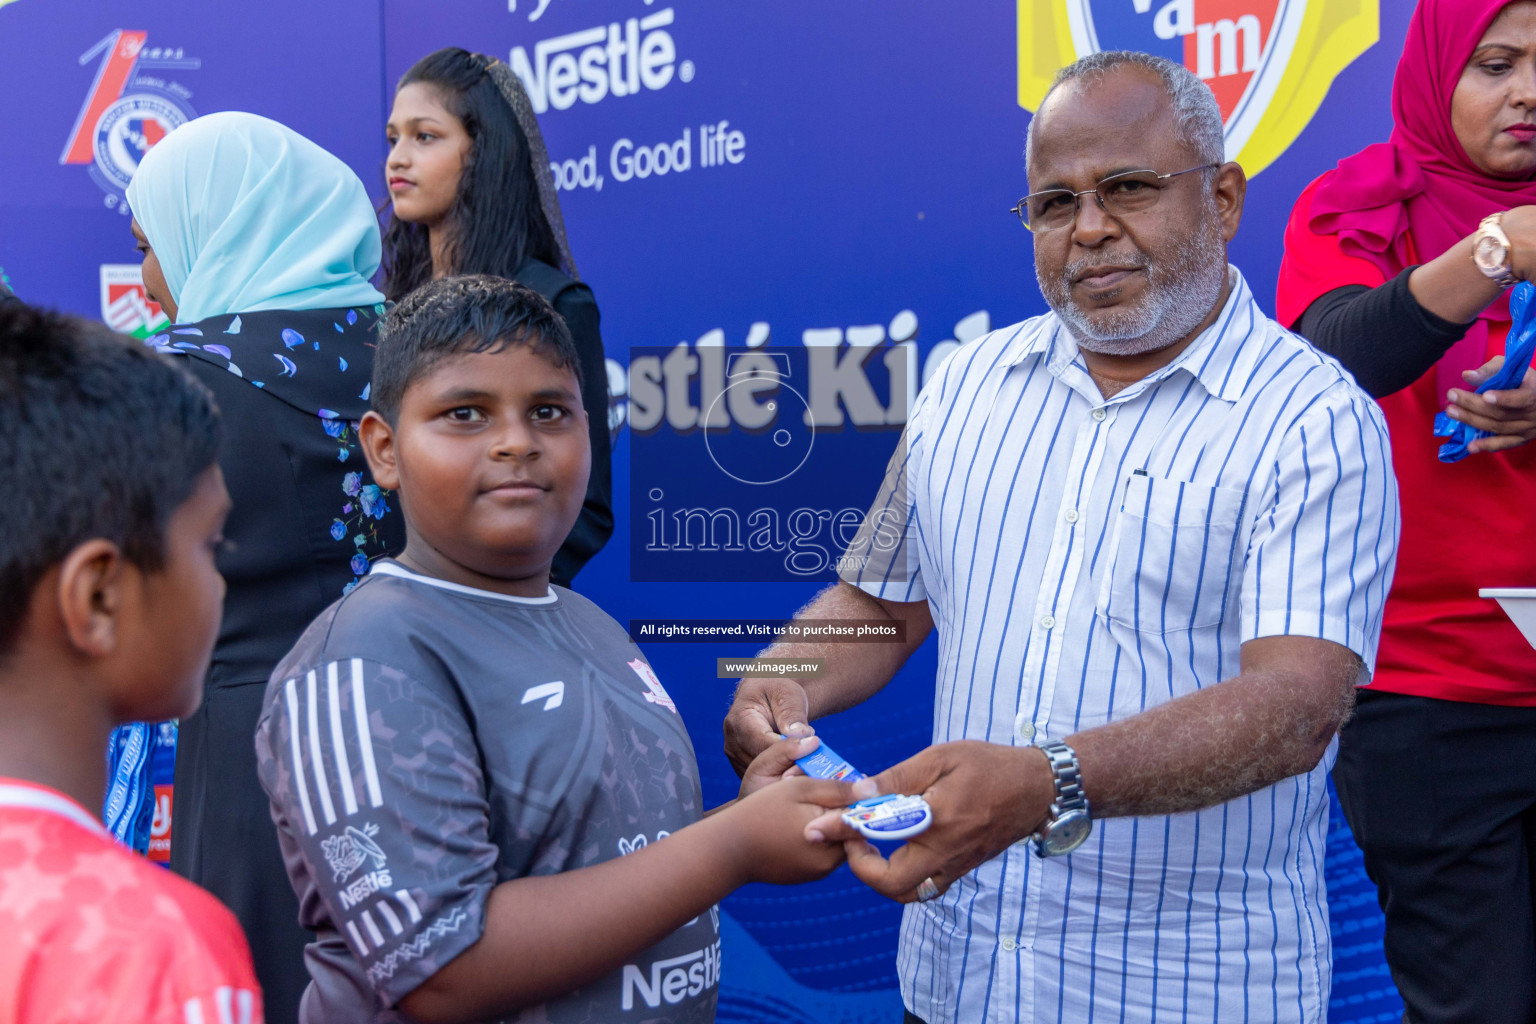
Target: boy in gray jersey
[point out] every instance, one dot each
(488, 804)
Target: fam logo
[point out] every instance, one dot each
(1269, 62)
(129, 107)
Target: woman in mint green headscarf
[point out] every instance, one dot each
(260, 246)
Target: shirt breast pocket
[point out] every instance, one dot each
(1176, 560)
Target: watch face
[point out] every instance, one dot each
(1066, 833)
(1489, 253)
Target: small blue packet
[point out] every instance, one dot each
(825, 763)
(890, 817)
(1519, 347)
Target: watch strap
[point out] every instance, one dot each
(1068, 777)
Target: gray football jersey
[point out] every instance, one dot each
(424, 741)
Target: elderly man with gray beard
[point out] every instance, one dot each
(1152, 530)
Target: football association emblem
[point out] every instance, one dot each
(655, 693)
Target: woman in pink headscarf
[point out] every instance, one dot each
(1398, 263)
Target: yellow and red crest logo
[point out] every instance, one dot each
(1269, 62)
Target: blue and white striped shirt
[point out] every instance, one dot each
(1086, 559)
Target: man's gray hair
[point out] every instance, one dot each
(1195, 112)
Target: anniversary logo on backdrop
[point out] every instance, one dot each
(131, 105)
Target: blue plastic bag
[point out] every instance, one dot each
(1518, 350)
(140, 757)
(129, 806)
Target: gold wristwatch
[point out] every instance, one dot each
(1490, 250)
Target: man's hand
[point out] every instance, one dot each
(763, 710)
(1509, 415)
(984, 796)
(767, 707)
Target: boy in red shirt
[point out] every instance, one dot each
(109, 604)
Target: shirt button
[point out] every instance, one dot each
(1009, 945)
(1025, 728)
(1099, 414)
(1047, 622)
(1071, 515)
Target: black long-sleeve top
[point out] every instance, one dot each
(1381, 335)
(574, 302)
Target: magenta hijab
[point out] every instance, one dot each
(1421, 181)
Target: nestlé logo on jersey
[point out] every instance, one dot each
(672, 980)
(1269, 62)
(618, 59)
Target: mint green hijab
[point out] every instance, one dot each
(246, 214)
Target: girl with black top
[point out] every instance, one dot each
(471, 191)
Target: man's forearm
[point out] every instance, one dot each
(852, 672)
(1214, 745)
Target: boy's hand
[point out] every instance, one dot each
(776, 763)
(770, 830)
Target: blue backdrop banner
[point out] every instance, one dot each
(790, 214)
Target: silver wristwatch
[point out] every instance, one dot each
(1067, 823)
(1490, 251)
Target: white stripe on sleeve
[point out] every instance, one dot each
(365, 735)
(291, 690)
(390, 917)
(409, 904)
(373, 930)
(192, 1010)
(224, 1002)
(357, 938)
(316, 761)
(339, 743)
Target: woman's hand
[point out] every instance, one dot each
(1510, 415)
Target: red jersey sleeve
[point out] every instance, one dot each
(209, 978)
(193, 965)
(1314, 264)
(112, 939)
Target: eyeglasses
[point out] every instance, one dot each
(1119, 194)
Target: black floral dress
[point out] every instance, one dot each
(307, 522)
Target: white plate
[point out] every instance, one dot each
(1519, 603)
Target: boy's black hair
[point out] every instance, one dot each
(473, 313)
(99, 437)
(496, 222)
